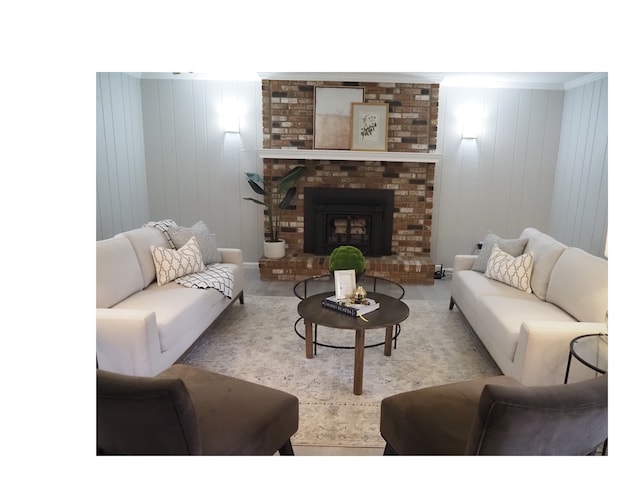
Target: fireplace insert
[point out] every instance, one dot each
(348, 216)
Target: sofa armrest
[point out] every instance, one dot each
(543, 350)
(127, 341)
(234, 256)
(231, 255)
(463, 262)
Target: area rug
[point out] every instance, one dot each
(257, 342)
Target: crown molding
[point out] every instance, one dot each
(591, 77)
(523, 80)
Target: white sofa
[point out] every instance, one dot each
(143, 328)
(528, 334)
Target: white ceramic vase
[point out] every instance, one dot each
(274, 249)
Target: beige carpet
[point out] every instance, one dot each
(256, 342)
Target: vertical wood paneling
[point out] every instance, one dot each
(502, 181)
(168, 160)
(121, 193)
(186, 170)
(203, 204)
(502, 165)
(104, 216)
(135, 149)
(580, 198)
(215, 161)
(195, 169)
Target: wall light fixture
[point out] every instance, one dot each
(231, 117)
(471, 115)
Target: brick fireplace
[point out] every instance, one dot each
(407, 169)
(412, 187)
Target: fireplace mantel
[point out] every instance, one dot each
(351, 155)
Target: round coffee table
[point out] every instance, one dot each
(323, 283)
(392, 311)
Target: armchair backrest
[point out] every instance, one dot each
(145, 416)
(567, 419)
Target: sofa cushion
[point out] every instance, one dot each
(142, 240)
(502, 318)
(171, 264)
(513, 247)
(546, 251)
(579, 285)
(512, 271)
(206, 241)
(469, 287)
(179, 310)
(118, 274)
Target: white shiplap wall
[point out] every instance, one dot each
(195, 171)
(579, 215)
(503, 180)
(121, 179)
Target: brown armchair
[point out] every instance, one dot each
(189, 411)
(497, 416)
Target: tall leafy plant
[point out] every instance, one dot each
(280, 196)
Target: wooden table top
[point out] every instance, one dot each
(391, 312)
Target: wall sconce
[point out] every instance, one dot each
(231, 124)
(469, 133)
(231, 117)
(471, 115)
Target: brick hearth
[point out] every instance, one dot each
(400, 269)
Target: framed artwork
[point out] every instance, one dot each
(332, 116)
(345, 281)
(369, 126)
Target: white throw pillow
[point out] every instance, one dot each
(512, 271)
(171, 264)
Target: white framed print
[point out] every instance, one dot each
(345, 283)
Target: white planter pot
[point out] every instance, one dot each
(274, 249)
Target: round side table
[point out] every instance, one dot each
(591, 350)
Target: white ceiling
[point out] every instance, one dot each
(536, 80)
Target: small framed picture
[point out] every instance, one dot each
(345, 283)
(369, 126)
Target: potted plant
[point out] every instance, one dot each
(347, 257)
(279, 198)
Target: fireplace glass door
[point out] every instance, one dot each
(359, 217)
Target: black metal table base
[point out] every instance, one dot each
(347, 347)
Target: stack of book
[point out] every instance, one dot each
(344, 305)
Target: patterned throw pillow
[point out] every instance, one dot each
(515, 272)
(171, 264)
(206, 241)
